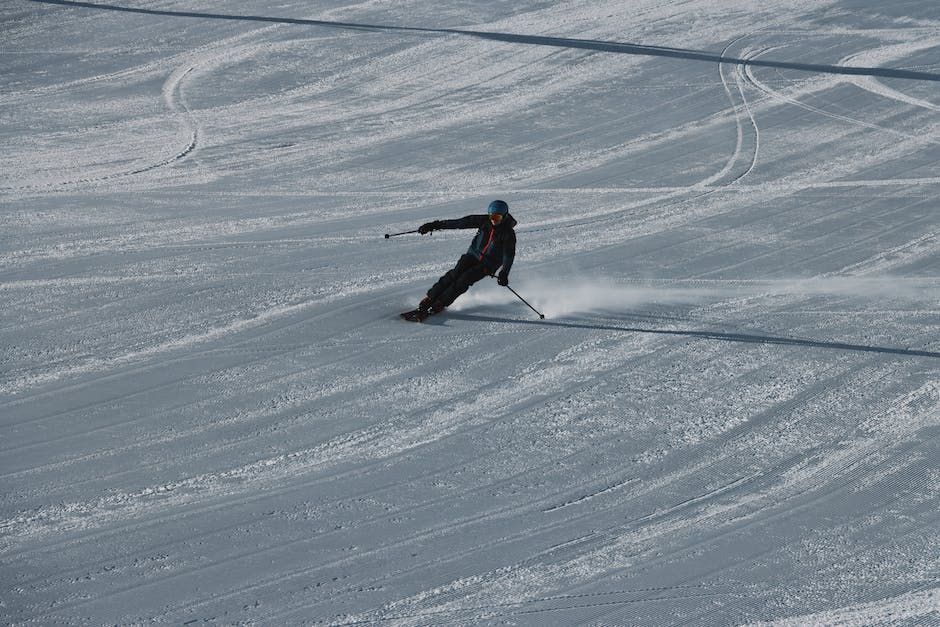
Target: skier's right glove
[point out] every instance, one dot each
(503, 278)
(427, 227)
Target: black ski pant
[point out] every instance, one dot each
(457, 280)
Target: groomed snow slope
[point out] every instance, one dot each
(210, 411)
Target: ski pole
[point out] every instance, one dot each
(541, 315)
(388, 235)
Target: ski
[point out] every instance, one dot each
(416, 315)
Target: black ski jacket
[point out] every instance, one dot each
(492, 246)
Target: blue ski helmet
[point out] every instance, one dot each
(498, 207)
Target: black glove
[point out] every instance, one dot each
(503, 278)
(427, 227)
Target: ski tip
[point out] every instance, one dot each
(412, 316)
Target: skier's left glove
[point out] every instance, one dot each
(503, 278)
(427, 227)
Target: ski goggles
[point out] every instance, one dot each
(496, 218)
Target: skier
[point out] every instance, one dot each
(493, 246)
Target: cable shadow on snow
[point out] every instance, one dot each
(719, 336)
(532, 40)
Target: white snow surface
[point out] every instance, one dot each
(210, 411)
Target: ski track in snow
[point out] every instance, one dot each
(210, 412)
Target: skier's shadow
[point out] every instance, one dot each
(718, 336)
